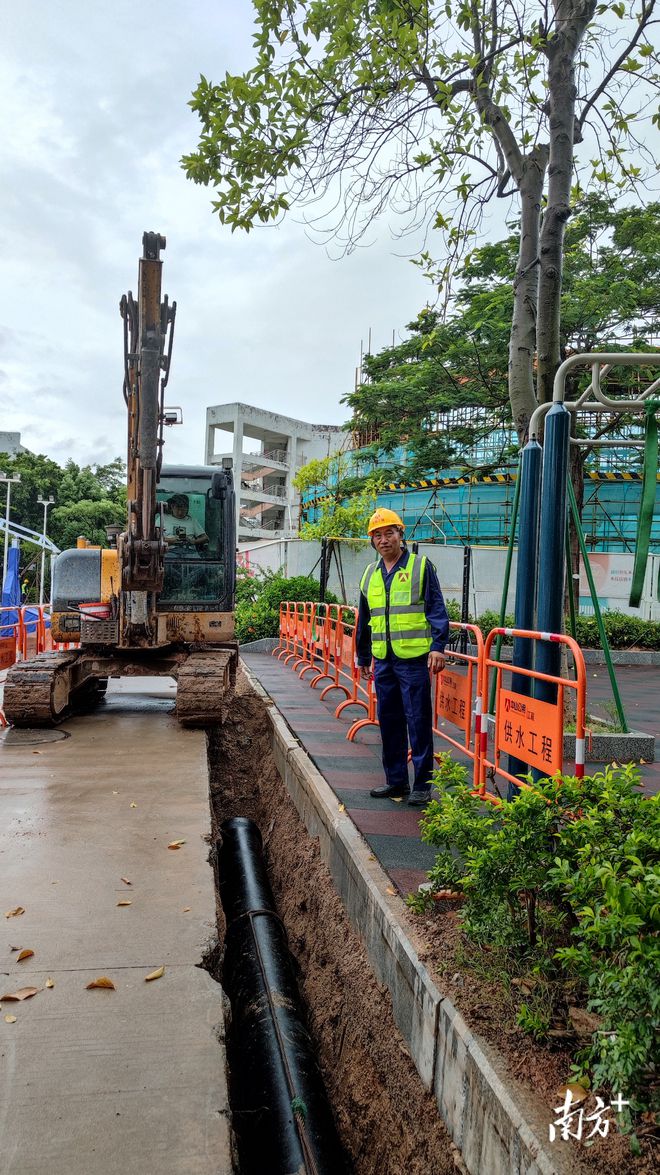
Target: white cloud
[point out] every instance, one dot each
(96, 118)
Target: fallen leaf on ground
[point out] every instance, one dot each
(578, 1092)
(15, 912)
(342, 807)
(398, 799)
(126, 881)
(176, 844)
(36, 752)
(391, 891)
(15, 948)
(125, 902)
(10, 1019)
(186, 909)
(26, 954)
(115, 793)
(133, 804)
(50, 983)
(102, 981)
(155, 975)
(23, 993)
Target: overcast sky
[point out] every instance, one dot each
(95, 118)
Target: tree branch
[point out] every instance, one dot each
(647, 11)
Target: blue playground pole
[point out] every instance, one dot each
(551, 565)
(528, 530)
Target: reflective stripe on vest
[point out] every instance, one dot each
(409, 630)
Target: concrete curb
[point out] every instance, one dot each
(479, 1103)
(597, 656)
(614, 748)
(591, 656)
(265, 644)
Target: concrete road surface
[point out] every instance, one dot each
(109, 1082)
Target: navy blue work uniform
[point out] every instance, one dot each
(403, 685)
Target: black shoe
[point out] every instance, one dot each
(389, 793)
(419, 799)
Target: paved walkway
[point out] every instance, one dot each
(107, 1082)
(352, 769)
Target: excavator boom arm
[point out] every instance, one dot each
(149, 325)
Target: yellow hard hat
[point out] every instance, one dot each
(383, 517)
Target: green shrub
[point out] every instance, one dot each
(453, 609)
(258, 599)
(490, 619)
(623, 632)
(566, 878)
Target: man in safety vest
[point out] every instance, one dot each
(403, 625)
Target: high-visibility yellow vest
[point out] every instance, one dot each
(410, 631)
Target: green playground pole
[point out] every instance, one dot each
(571, 592)
(597, 612)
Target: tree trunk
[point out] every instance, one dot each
(572, 18)
(522, 345)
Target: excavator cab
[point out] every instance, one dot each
(196, 519)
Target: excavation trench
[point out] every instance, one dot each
(387, 1123)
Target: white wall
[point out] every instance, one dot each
(612, 573)
(296, 557)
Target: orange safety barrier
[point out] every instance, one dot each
(298, 623)
(457, 696)
(323, 648)
(13, 638)
(287, 630)
(525, 727)
(28, 634)
(349, 671)
(321, 638)
(312, 638)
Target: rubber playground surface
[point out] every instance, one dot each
(351, 769)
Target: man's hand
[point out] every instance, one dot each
(436, 662)
(366, 672)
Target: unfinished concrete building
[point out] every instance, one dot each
(267, 451)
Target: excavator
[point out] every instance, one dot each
(160, 599)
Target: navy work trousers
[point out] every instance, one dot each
(403, 695)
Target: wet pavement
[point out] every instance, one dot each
(352, 768)
(105, 1082)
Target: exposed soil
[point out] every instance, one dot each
(388, 1124)
(541, 1069)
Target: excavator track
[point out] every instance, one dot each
(38, 692)
(204, 682)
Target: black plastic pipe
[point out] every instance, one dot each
(282, 1117)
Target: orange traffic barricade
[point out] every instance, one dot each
(457, 696)
(296, 644)
(13, 638)
(284, 644)
(525, 727)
